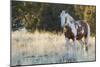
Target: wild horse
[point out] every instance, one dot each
(75, 30)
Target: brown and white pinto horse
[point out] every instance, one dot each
(75, 30)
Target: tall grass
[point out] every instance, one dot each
(46, 47)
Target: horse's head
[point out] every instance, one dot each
(62, 17)
(66, 18)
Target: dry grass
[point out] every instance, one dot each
(51, 47)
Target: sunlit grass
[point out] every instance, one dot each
(26, 44)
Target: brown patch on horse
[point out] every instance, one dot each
(85, 27)
(68, 31)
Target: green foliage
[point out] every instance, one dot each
(45, 16)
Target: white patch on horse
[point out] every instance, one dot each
(78, 22)
(73, 29)
(82, 31)
(79, 25)
(76, 26)
(62, 16)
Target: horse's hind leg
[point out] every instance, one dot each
(81, 44)
(86, 43)
(87, 37)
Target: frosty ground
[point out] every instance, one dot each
(46, 48)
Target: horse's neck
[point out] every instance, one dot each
(70, 18)
(73, 28)
(70, 22)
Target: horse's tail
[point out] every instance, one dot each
(88, 35)
(88, 31)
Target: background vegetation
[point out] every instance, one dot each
(43, 46)
(45, 16)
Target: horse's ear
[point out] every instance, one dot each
(60, 11)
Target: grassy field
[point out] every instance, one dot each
(45, 48)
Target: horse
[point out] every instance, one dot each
(75, 30)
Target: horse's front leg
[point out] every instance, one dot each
(67, 43)
(81, 44)
(75, 43)
(75, 46)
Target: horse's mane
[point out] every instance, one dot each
(69, 17)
